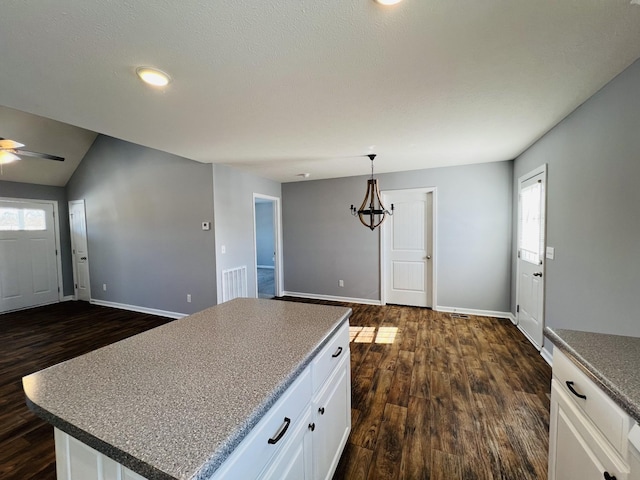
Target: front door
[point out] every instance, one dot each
(408, 248)
(28, 263)
(531, 247)
(80, 254)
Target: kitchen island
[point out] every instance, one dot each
(183, 400)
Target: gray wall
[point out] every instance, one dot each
(593, 202)
(45, 192)
(323, 243)
(144, 213)
(233, 200)
(265, 245)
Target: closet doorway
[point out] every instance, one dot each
(266, 215)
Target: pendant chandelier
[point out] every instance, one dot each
(372, 212)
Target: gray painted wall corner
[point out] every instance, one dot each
(592, 220)
(144, 212)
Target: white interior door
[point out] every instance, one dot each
(28, 263)
(80, 254)
(531, 248)
(408, 248)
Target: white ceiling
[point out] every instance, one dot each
(291, 86)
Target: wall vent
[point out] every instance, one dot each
(459, 315)
(234, 283)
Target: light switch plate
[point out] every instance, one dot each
(551, 252)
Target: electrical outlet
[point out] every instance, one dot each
(188, 298)
(341, 283)
(223, 249)
(104, 287)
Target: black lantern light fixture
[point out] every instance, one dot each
(372, 212)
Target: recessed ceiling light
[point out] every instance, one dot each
(153, 76)
(387, 2)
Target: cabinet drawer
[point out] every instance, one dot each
(330, 356)
(255, 451)
(578, 451)
(597, 406)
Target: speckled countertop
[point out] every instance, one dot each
(612, 361)
(173, 402)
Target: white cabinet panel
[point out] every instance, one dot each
(587, 430)
(333, 421)
(295, 460)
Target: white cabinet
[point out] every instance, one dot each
(588, 431)
(332, 407)
(310, 444)
(77, 461)
(295, 462)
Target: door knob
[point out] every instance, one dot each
(537, 274)
(428, 257)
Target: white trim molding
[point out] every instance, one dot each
(313, 296)
(136, 308)
(547, 355)
(472, 311)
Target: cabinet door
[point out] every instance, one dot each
(294, 462)
(574, 453)
(332, 411)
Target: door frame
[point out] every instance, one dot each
(73, 249)
(56, 231)
(277, 230)
(434, 257)
(542, 169)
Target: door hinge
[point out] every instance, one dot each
(76, 286)
(517, 308)
(56, 252)
(518, 253)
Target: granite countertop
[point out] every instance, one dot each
(173, 402)
(612, 361)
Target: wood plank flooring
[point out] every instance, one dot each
(433, 397)
(436, 397)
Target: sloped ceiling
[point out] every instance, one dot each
(292, 86)
(43, 135)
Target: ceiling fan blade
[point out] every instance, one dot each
(46, 156)
(5, 143)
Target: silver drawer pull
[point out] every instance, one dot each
(281, 431)
(338, 352)
(573, 390)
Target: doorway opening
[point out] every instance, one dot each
(266, 215)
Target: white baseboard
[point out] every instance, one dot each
(547, 355)
(313, 296)
(270, 267)
(472, 311)
(68, 298)
(136, 308)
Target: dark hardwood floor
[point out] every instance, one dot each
(31, 340)
(434, 397)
